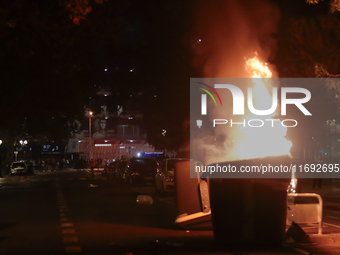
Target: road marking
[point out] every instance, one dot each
(302, 251)
(332, 217)
(70, 239)
(68, 231)
(332, 225)
(72, 249)
(66, 225)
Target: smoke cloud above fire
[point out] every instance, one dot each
(227, 33)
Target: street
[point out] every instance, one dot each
(72, 211)
(75, 212)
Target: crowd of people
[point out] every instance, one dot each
(52, 164)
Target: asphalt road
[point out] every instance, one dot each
(76, 212)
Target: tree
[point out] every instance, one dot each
(44, 65)
(334, 4)
(309, 48)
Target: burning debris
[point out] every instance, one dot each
(250, 133)
(267, 140)
(225, 39)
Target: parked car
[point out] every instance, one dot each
(18, 167)
(140, 170)
(164, 179)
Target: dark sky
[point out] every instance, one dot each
(50, 65)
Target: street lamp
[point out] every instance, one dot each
(90, 136)
(23, 143)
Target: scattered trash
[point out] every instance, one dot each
(144, 200)
(290, 240)
(155, 242)
(297, 234)
(93, 186)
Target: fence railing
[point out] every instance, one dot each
(305, 213)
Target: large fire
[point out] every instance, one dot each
(267, 140)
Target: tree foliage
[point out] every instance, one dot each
(309, 48)
(54, 52)
(78, 9)
(334, 4)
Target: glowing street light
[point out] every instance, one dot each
(90, 136)
(23, 142)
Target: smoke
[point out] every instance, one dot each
(227, 33)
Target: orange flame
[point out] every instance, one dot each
(258, 69)
(266, 140)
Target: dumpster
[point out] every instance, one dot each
(249, 211)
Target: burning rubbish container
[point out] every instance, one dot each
(250, 211)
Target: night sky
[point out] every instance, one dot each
(49, 64)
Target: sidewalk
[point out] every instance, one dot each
(319, 244)
(5, 178)
(329, 191)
